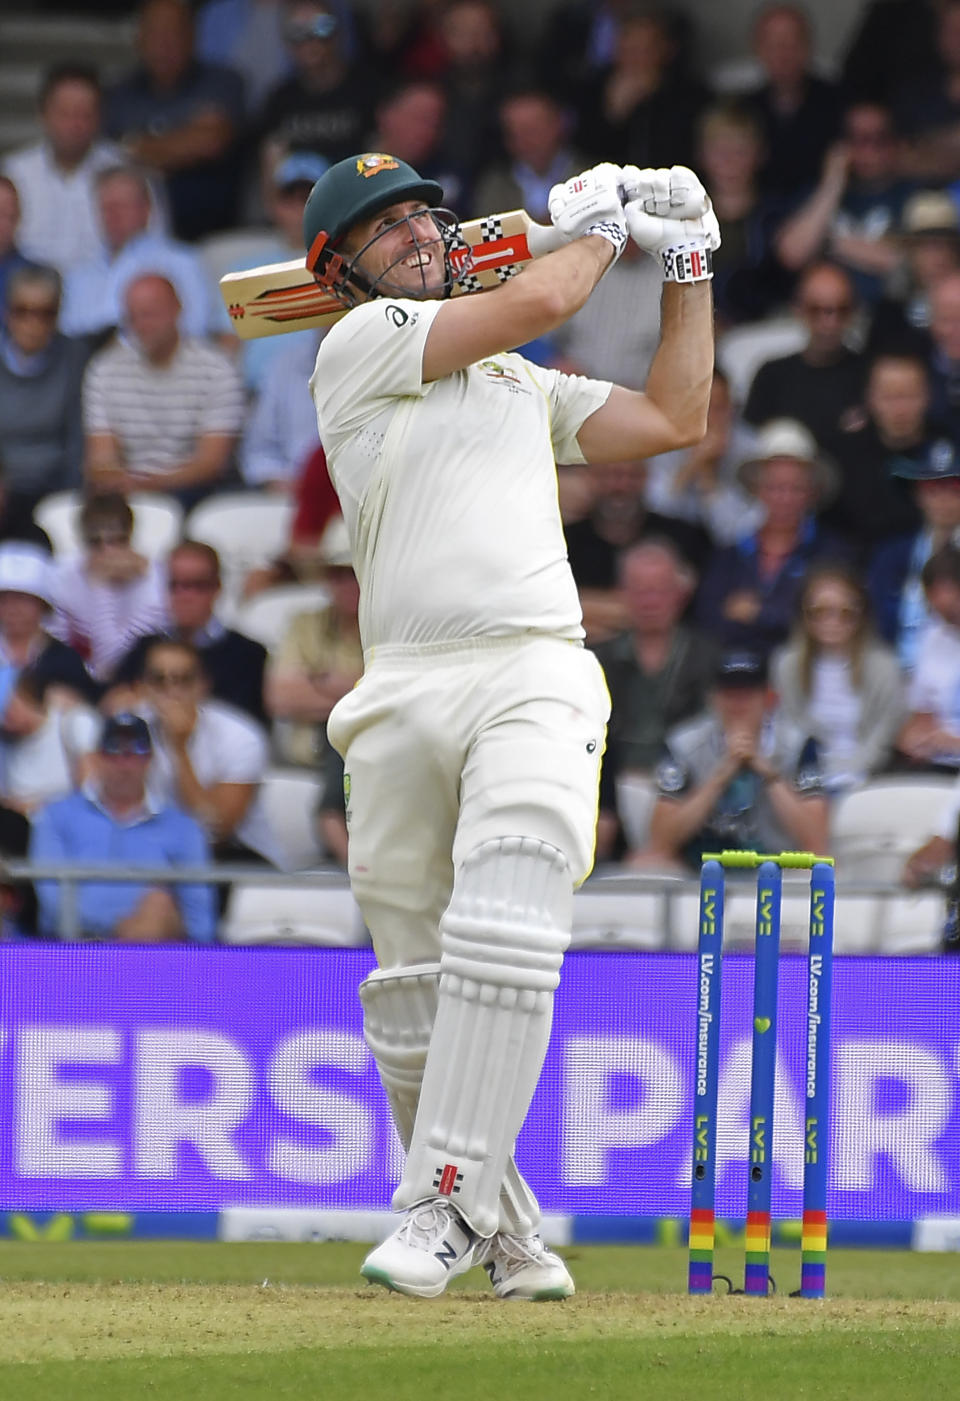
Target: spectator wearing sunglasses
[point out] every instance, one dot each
(41, 374)
(326, 105)
(107, 597)
(234, 664)
(209, 758)
(113, 820)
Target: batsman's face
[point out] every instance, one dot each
(402, 248)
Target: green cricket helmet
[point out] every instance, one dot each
(349, 192)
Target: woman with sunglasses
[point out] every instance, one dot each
(837, 680)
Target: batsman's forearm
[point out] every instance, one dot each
(560, 283)
(682, 370)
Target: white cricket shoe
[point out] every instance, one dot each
(431, 1245)
(521, 1267)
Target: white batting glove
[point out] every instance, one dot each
(684, 247)
(671, 193)
(590, 203)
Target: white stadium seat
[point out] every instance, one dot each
(268, 615)
(271, 914)
(874, 829)
(289, 797)
(157, 522)
(247, 529)
(742, 351)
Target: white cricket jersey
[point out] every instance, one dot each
(449, 489)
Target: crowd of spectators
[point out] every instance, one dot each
(777, 609)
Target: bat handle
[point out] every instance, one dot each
(544, 238)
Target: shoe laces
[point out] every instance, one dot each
(428, 1224)
(514, 1252)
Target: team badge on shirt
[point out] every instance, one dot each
(503, 374)
(373, 162)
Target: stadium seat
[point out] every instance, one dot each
(267, 615)
(874, 828)
(636, 796)
(271, 914)
(604, 918)
(248, 529)
(741, 351)
(912, 923)
(157, 522)
(289, 797)
(235, 250)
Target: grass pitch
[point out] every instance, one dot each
(218, 1322)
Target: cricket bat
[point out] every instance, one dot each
(280, 297)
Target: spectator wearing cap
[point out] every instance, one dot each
(162, 411)
(853, 215)
(820, 384)
(181, 117)
(41, 378)
(107, 597)
(233, 663)
(875, 454)
(93, 294)
(895, 577)
(930, 251)
(930, 737)
(736, 777)
(209, 758)
(55, 175)
(658, 672)
(26, 604)
(46, 737)
(836, 681)
(113, 821)
(319, 659)
(749, 590)
(291, 178)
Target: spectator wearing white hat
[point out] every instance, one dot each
(319, 659)
(749, 591)
(26, 609)
(929, 251)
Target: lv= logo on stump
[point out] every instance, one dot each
(769, 868)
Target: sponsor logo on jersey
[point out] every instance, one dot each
(373, 162)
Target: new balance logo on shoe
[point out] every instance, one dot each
(447, 1254)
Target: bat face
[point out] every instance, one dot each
(280, 297)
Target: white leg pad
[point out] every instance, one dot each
(399, 1010)
(503, 938)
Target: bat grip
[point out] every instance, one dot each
(544, 238)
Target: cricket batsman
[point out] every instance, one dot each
(472, 744)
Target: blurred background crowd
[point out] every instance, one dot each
(777, 609)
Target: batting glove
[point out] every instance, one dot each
(674, 193)
(684, 247)
(591, 204)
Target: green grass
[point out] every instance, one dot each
(162, 1320)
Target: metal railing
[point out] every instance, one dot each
(70, 876)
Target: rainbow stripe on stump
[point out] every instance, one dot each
(756, 1270)
(813, 1255)
(700, 1269)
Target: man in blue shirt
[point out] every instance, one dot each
(112, 821)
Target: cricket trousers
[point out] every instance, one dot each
(448, 747)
